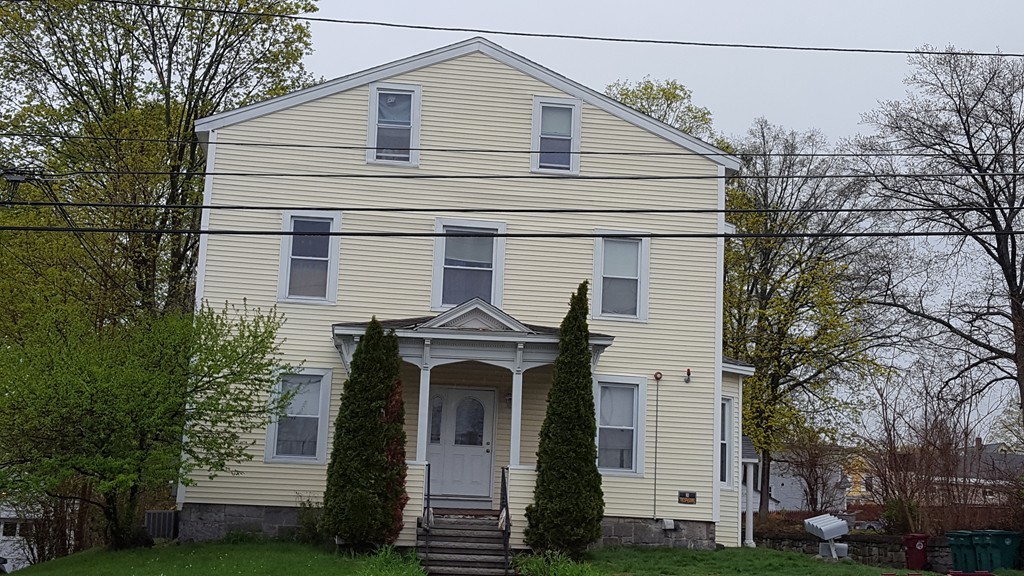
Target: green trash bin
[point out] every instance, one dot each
(983, 544)
(962, 547)
(1003, 547)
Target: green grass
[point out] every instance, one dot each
(728, 562)
(248, 559)
(281, 558)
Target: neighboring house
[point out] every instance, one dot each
(14, 529)
(788, 491)
(477, 316)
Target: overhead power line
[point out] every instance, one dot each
(536, 235)
(497, 32)
(545, 176)
(467, 210)
(310, 145)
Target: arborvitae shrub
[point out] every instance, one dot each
(568, 503)
(365, 491)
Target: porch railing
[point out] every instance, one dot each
(428, 513)
(504, 518)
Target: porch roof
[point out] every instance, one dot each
(473, 330)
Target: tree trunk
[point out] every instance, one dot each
(766, 463)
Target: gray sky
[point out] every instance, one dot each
(799, 90)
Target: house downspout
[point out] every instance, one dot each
(657, 399)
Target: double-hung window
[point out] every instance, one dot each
(725, 422)
(393, 135)
(469, 262)
(300, 434)
(309, 257)
(621, 268)
(620, 409)
(556, 135)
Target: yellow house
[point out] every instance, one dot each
(409, 185)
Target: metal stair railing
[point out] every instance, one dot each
(504, 518)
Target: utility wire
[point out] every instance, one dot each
(308, 145)
(419, 209)
(587, 177)
(496, 32)
(468, 234)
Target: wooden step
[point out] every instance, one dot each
(450, 559)
(462, 547)
(467, 571)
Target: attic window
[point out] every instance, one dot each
(394, 129)
(556, 135)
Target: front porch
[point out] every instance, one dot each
(475, 384)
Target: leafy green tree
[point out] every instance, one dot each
(365, 492)
(671, 103)
(109, 406)
(111, 92)
(568, 503)
(794, 296)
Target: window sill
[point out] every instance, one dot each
(393, 163)
(313, 301)
(555, 171)
(614, 318)
(294, 460)
(612, 473)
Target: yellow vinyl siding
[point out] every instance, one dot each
(728, 531)
(476, 102)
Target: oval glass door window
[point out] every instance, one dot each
(469, 423)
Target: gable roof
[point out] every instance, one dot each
(472, 45)
(473, 317)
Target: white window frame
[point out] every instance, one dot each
(539, 102)
(284, 269)
(643, 282)
(414, 118)
(639, 385)
(725, 437)
(498, 259)
(270, 450)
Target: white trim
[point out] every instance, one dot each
(640, 422)
(643, 281)
(497, 262)
(414, 121)
(204, 246)
(738, 369)
(726, 438)
(284, 267)
(539, 103)
(716, 506)
(326, 380)
(470, 46)
(476, 304)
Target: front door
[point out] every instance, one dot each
(461, 438)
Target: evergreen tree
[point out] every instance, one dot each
(365, 491)
(568, 503)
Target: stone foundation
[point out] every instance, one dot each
(202, 522)
(648, 532)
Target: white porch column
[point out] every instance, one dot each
(748, 540)
(423, 417)
(517, 406)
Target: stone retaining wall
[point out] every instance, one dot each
(872, 549)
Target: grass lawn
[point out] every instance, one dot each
(282, 558)
(248, 559)
(728, 562)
